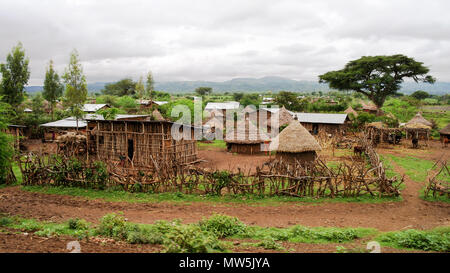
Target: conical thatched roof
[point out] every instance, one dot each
(419, 119)
(245, 133)
(417, 126)
(296, 139)
(157, 115)
(446, 130)
(350, 110)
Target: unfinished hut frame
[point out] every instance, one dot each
(143, 145)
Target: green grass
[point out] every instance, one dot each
(437, 239)
(206, 235)
(215, 144)
(437, 198)
(184, 199)
(416, 168)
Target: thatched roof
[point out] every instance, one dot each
(245, 133)
(417, 126)
(377, 124)
(350, 110)
(157, 115)
(296, 139)
(446, 130)
(419, 119)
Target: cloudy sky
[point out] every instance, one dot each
(219, 40)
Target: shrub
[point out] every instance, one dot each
(113, 225)
(270, 243)
(191, 239)
(5, 221)
(334, 235)
(435, 240)
(222, 225)
(78, 224)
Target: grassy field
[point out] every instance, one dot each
(215, 144)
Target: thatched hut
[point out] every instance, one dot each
(418, 127)
(156, 115)
(295, 143)
(246, 138)
(445, 133)
(352, 111)
(418, 118)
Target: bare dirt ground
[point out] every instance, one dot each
(412, 212)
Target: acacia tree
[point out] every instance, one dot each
(53, 89)
(377, 76)
(76, 87)
(202, 91)
(15, 75)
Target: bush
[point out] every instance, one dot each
(222, 225)
(78, 224)
(5, 221)
(435, 240)
(270, 243)
(334, 235)
(113, 225)
(191, 239)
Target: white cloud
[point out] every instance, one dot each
(218, 40)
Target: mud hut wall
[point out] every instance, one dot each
(246, 148)
(293, 157)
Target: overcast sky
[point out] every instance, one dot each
(219, 40)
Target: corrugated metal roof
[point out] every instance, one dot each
(147, 102)
(222, 105)
(321, 118)
(118, 117)
(66, 123)
(93, 107)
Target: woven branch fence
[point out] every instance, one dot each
(274, 178)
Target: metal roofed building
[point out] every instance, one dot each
(92, 108)
(320, 122)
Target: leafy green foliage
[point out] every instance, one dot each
(434, 240)
(270, 243)
(124, 87)
(109, 113)
(377, 77)
(113, 225)
(222, 225)
(6, 149)
(127, 103)
(191, 239)
(420, 95)
(79, 224)
(53, 89)
(15, 76)
(202, 91)
(222, 180)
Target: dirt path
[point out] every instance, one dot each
(410, 213)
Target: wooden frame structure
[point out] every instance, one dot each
(145, 145)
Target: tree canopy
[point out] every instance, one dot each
(76, 86)
(124, 87)
(377, 77)
(15, 75)
(420, 95)
(202, 91)
(53, 89)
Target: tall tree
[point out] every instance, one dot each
(140, 88)
(6, 149)
(53, 88)
(76, 86)
(202, 91)
(150, 85)
(377, 77)
(15, 75)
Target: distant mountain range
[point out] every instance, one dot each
(274, 84)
